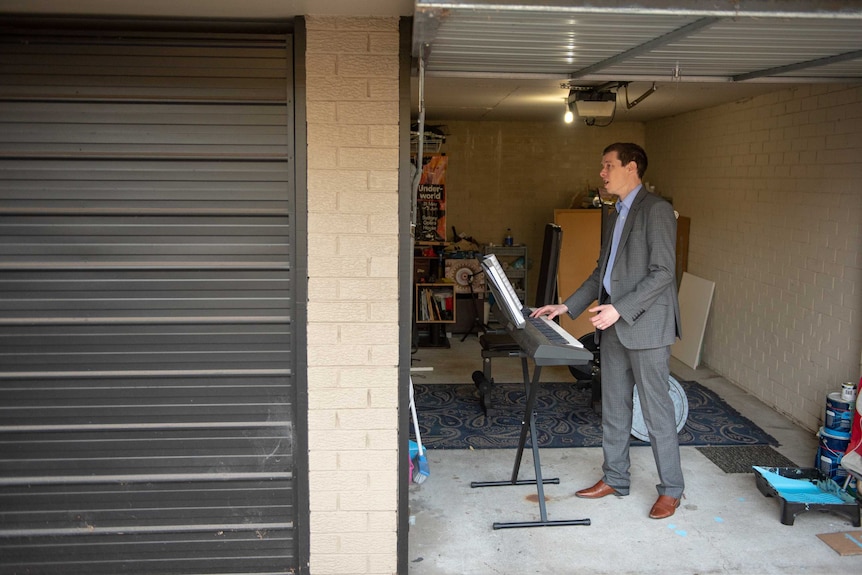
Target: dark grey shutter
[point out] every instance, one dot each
(146, 382)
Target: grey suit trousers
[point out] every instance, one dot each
(622, 369)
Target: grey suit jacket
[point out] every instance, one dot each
(643, 280)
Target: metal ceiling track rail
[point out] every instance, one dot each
(647, 46)
(799, 66)
(826, 9)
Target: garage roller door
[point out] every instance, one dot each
(146, 375)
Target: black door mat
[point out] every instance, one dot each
(740, 458)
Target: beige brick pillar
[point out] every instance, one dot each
(352, 100)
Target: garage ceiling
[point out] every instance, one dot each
(504, 60)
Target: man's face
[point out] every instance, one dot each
(619, 180)
(615, 176)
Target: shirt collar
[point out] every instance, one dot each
(629, 200)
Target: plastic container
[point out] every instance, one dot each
(848, 391)
(839, 413)
(831, 449)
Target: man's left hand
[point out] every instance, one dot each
(606, 316)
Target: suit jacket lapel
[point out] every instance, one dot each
(630, 220)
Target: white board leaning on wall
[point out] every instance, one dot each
(695, 299)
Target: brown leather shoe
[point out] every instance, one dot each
(664, 507)
(598, 490)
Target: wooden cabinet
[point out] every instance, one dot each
(579, 250)
(683, 225)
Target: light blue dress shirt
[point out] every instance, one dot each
(623, 208)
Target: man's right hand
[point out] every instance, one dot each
(551, 311)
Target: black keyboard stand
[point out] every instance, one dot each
(529, 424)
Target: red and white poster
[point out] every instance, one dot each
(431, 200)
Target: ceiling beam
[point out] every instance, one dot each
(799, 66)
(647, 46)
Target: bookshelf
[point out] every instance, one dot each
(435, 303)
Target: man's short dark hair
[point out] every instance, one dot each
(628, 152)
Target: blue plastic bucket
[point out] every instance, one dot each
(839, 414)
(831, 449)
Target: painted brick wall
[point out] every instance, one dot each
(772, 186)
(353, 127)
(515, 174)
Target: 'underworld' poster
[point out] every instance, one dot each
(431, 200)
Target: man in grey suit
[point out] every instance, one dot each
(637, 321)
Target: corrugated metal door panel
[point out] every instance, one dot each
(190, 241)
(170, 130)
(146, 374)
(56, 64)
(137, 188)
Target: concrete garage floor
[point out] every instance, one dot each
(724, 525)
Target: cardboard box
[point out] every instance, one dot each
(844, 543)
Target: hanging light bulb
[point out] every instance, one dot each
(568, 117)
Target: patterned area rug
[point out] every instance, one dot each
(451, 417)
